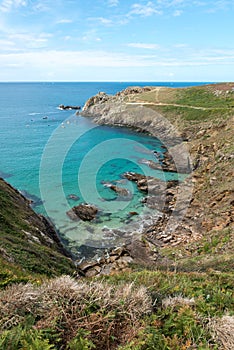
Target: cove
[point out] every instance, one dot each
(79, 163)
(80, 159)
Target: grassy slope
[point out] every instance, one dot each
(25, 249)
(190, 297)
(209, 129)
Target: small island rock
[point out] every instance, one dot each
(85, 212)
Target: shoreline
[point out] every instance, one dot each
(112, 110)
(204, 139)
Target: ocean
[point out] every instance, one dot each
(60, 159)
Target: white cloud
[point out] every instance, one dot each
(64, 20)
(113, 3)
(41, 6)
(105, 21)
(6, 44)
(144, 46)
(144, 10)
(64, 60)
(8, 5)
(177, 13)
(179, 46)
(220, 5)
(172, 3)
(67, 37)
(91, 35)
(24, 41)
(102, 20)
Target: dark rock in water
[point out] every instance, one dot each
(89, 252)
(132, 213)
(146, 183)
(74, 197)
(166, 164)
(150, 163)
(69, 107)
(108, 199)
(34, 200)
(121, 191)
(131, 176)
(86, 212)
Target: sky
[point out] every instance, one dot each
(117, 40)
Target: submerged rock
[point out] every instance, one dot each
(85, 212)
(121, 191)
(73, 196)
(34, 200)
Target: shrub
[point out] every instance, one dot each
(107, 314)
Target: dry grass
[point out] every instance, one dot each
(108, 313)
(177, 301)
(223, 331)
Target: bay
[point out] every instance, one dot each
(61, 159)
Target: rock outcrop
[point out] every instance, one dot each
(63, 107)
(123, 193)
(85, 212)
(120, 259)
(115, 110)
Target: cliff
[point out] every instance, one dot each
(200, 119)
(28, 242)
(187, 303)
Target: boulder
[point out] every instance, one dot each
(101, 97)
(134, 90)
(116, 260)
(120, 191)
(85, 212)
(68, 107)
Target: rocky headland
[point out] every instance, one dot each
(196, 127)
(172, 288)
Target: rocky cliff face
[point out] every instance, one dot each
(28, 240)
(116, 110)
(200, 119)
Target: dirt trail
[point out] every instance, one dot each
(156, 94)
(173, 104)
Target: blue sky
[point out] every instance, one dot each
(117, 40)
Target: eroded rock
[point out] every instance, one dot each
(86, 212)
(63, 107)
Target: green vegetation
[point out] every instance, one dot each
(141, 310)
(24, 247)
(191, 114)
(198, 103)
(200, 97)
(184, 303)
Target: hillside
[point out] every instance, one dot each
(204, 120)
(182, 301)
(29, 245)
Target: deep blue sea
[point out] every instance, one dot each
(60, 159)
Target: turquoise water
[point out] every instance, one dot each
(51, 154)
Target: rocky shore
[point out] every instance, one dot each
(189, 210)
